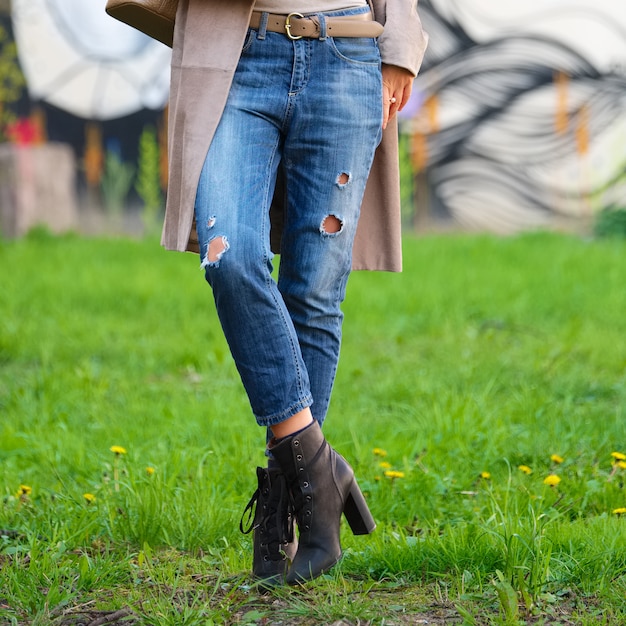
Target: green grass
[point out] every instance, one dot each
(485, 354)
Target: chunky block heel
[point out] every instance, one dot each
(357, 512)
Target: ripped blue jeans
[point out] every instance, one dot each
(312, 107)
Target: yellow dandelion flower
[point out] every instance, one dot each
(150, 470)
(23, 491)
(555, 458)
(117, 450)
(525, 469)
(619, 511)
(485, 475)
(618, 456)
(621, 464)
(89, 498)
(394, 474)
(384, 465)
(552, 480)
(379, 452)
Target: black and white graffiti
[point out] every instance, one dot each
(522, 111)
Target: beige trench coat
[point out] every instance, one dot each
(208, 38)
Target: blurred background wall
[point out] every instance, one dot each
(85, 94)
(518, 118)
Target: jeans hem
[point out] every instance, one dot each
(272, 420)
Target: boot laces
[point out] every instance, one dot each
(277, 518)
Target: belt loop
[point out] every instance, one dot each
(322, 19)
(263, 26)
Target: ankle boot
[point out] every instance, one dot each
(274, 544)
(322, 487)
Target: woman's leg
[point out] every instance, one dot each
(335, 126)
(232, 219)
(277, 335)
(334, 130)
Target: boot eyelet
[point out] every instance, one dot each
(307, 527)
(296, 442)
(266, 558)
(308, 498)
(305, 484)
(299, 457)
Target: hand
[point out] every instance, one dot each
(397, 86)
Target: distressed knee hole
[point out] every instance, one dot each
(331, 225)
(343, 179)
(216, 249)
(210, 222)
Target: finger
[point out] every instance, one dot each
(390, 106)
(406, 95)
(386, 104)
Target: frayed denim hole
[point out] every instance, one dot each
(331, 226)
(343, 179)
(216, 249)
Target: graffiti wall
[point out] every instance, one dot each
(518, 118)
(519, 115)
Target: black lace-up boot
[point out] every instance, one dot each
(321, 486)
(274, 544)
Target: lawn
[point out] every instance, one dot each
(481, 399)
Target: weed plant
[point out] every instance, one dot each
(480, 398)
(611, 222)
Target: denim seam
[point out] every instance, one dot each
(279, 308)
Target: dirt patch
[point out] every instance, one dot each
(236, 604)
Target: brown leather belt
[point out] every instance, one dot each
(296, 25)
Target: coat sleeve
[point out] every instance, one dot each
(404, 41)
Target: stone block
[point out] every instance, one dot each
(37, 188)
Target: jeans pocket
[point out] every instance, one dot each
(248, 41)
(362, 50)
